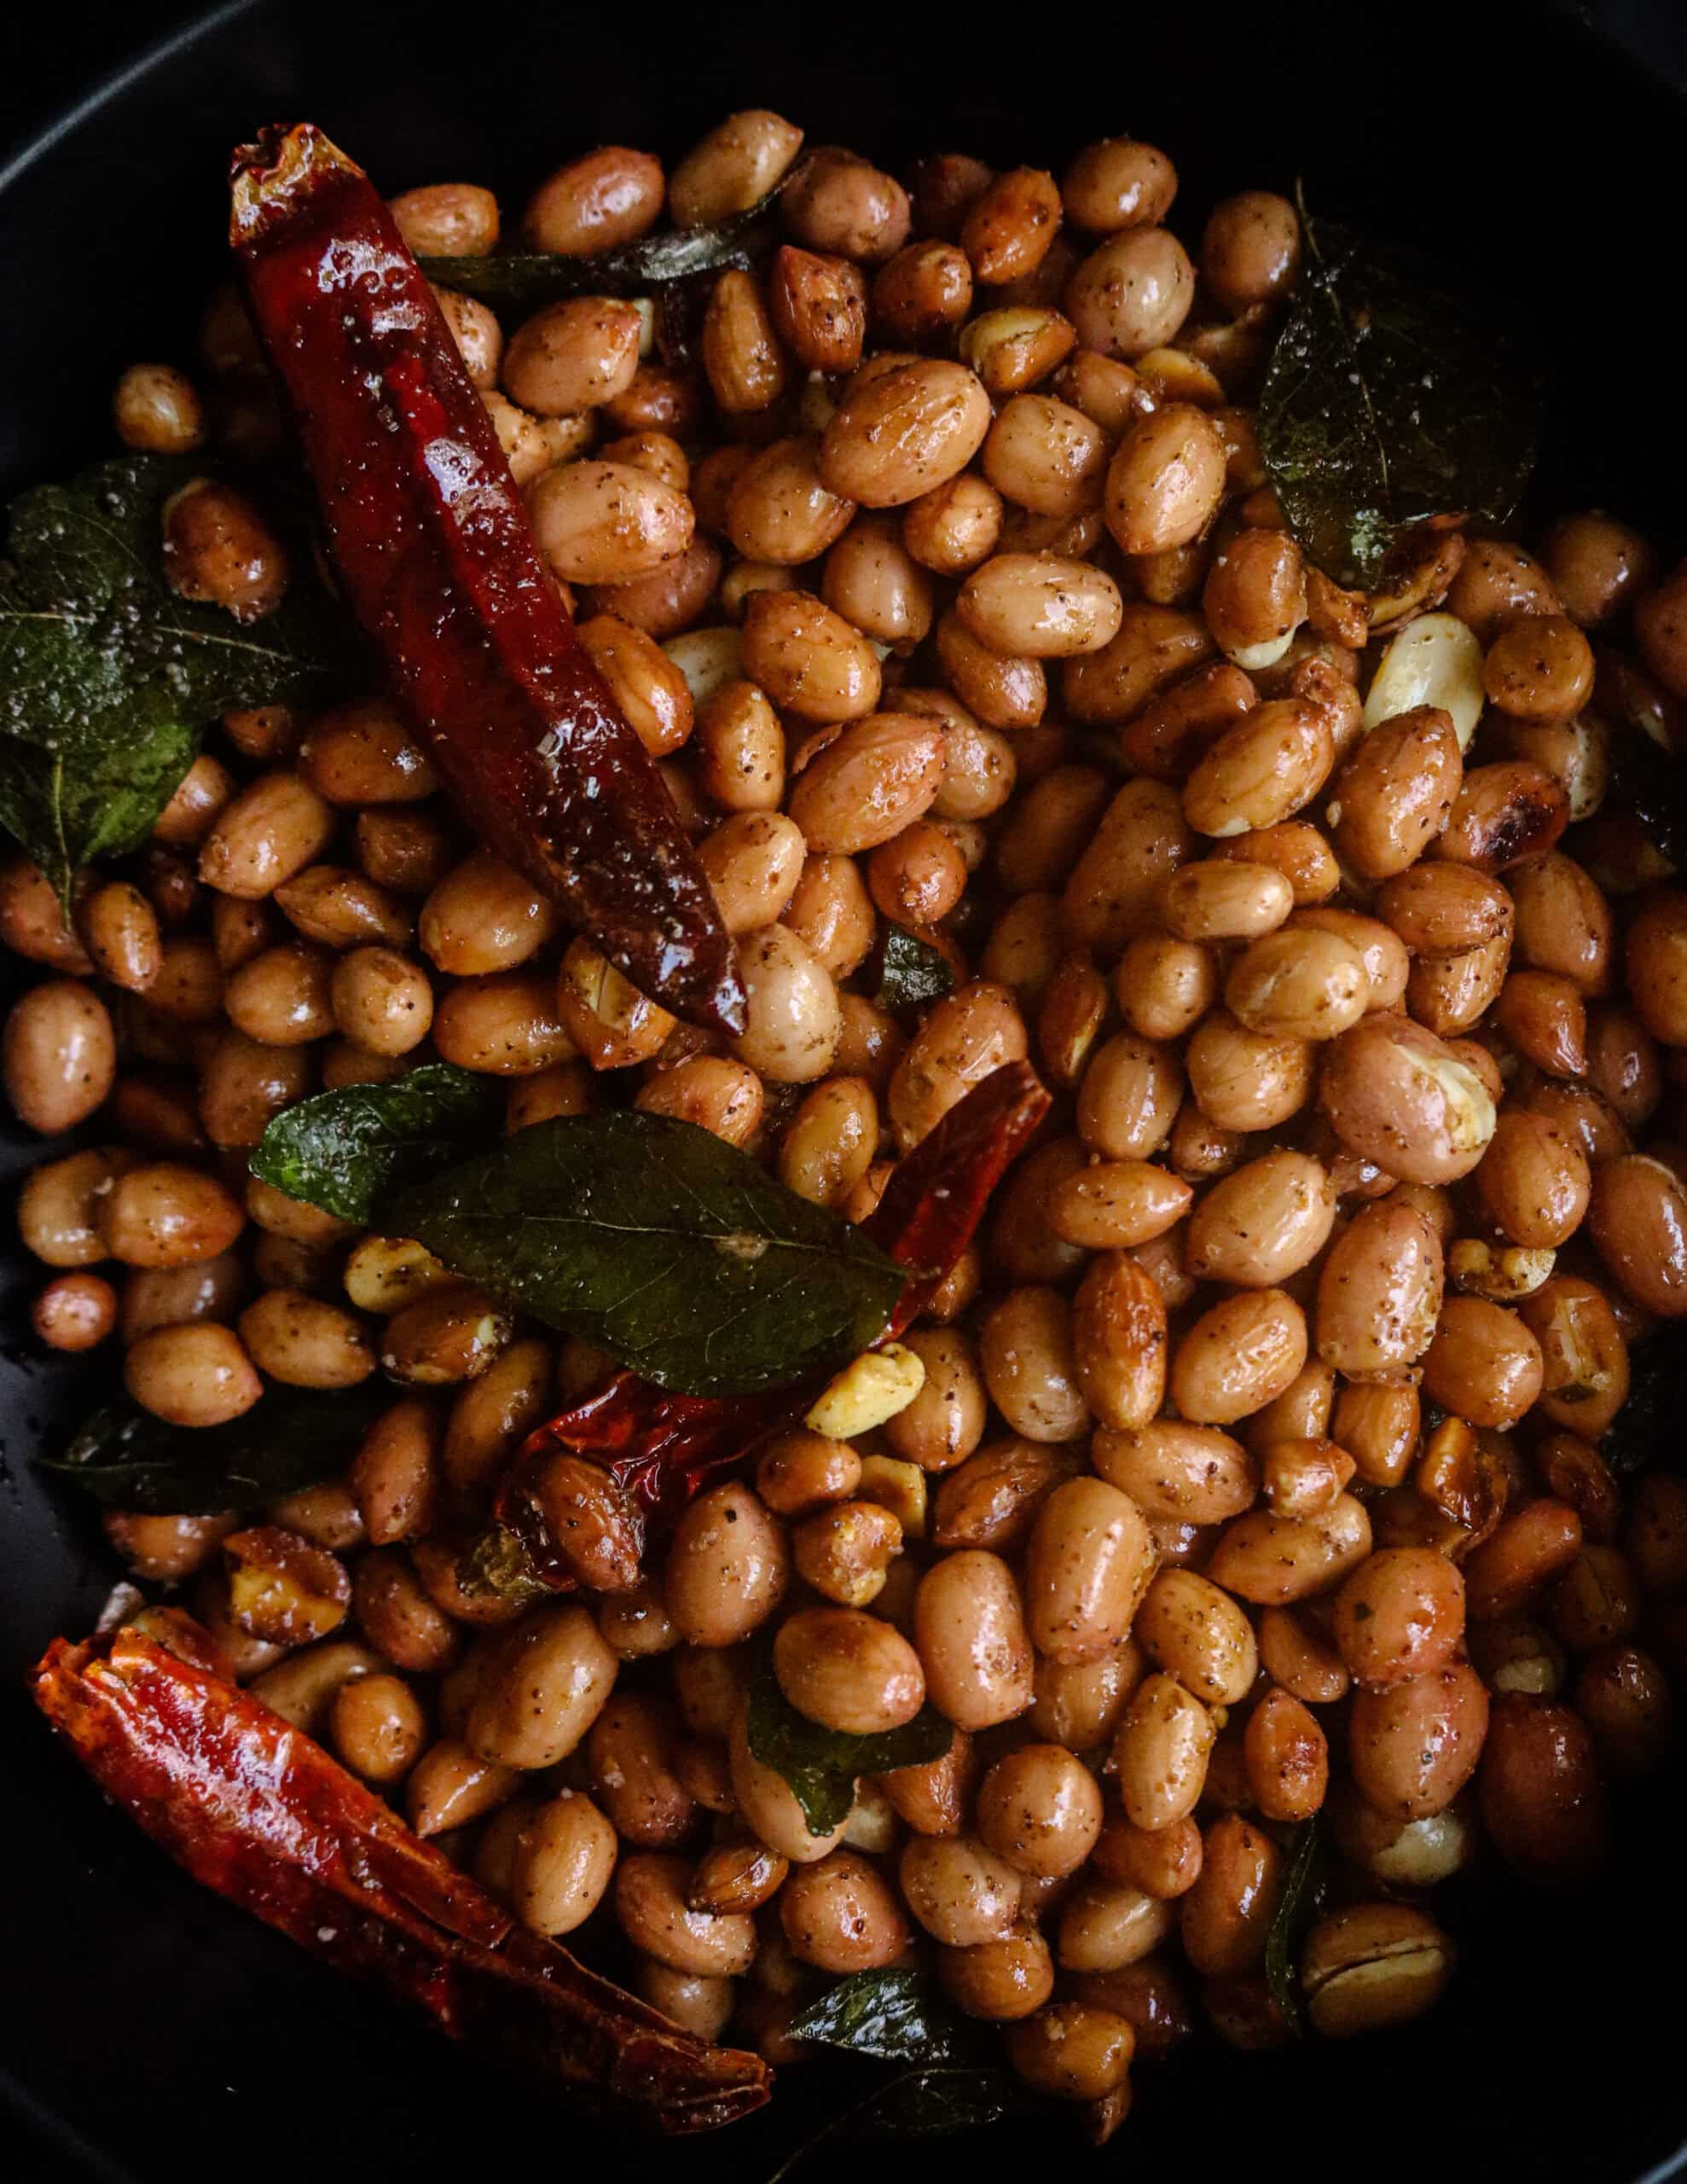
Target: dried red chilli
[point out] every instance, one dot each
(253, 1809)
(432, 540)
(657, 1448)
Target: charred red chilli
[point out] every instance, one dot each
(433, 544)
(253, 1809)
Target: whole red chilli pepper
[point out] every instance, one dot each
(432, 543)
(658, 1447)
(253, 1809)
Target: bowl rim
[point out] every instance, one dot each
(115, 82)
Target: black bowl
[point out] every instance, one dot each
(154, 2029)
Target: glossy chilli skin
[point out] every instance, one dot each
(437, 555)
(261, 1816)
(1286, 1136)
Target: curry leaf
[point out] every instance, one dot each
(519, 281)
(933, 2103)
(822, 1766)
(1391, 397)
(1653, 783)
(107, 677)
(495, 1565)
(1302, 1886)
(292, 1438)
(950, 2080)
(1649, 1422)
(905, 972)
(347, 1150)
(894, 2015)
(930, 2101)
(673, 1251)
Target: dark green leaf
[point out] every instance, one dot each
(1649, 1425)
(673, 1251)
(954, 2080)
(823, 1765)
(347, 1151)
(107, 678)
(894, 2015)
(933, 2104)
(906, 973)
(519, 281)
(1653, 783)
(497, 1566)
(929, 2102)
(292, 1438)
(1391, 397)
(1302, 1884)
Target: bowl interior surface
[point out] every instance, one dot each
(159, 2027)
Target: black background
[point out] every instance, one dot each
(51, 51)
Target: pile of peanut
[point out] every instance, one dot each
(1250, 1472)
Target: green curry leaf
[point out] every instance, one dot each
(293, 1437)
(673, 1251)
(822, 1766)
(905, 972)
(950, 2078)
(927, 2102)
(107, 678)
(495, 1565)
(1652, 782)
(894, 2015)
(346, 1151)
(1391, 397)
(935, 2102)
(519, 281)
(1649, 1425)
(1302, 1886)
